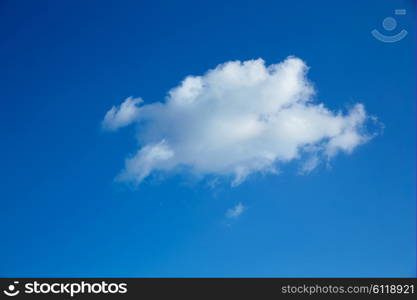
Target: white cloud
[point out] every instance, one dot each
(235, 211)
(310, 164)
(235, 120)
(123, 115)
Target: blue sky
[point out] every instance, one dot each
(65, 64)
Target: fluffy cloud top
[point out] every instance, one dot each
(235, 120)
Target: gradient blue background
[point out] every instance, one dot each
(65, 63)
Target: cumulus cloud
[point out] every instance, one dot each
(235, 211)
(237, 119)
